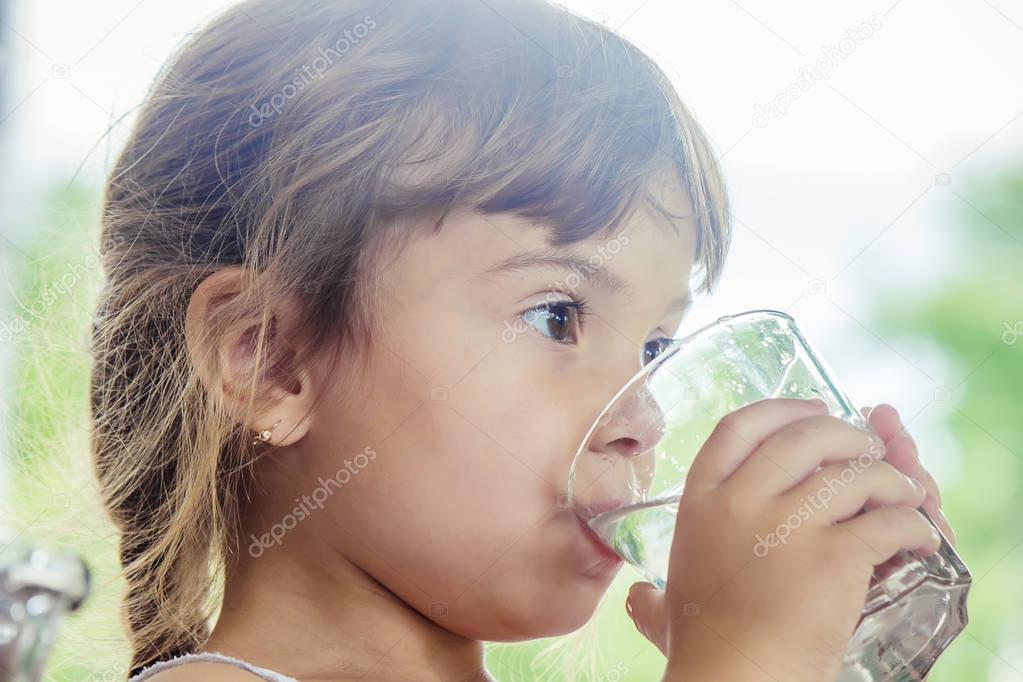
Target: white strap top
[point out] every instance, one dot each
(264, 673)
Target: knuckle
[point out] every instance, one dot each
(834, 427)
(729, 422)
(892, 476)
(727, 430)
(831, 421)
(801, 429)
(845, 472)
(893, 515)
(885, 469)
(906, 517)
(826, 473)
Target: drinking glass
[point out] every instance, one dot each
(37, 587)
(629, 495)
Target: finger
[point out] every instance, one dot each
(880, 533)
(884, 419)
(902, 450)
(798, 448)
(840, 490)
(739, 433)
(903, 455)
(647, 607)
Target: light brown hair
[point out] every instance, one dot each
(290, 139)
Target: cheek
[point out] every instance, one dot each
(459, 508)
(460, 505)
(470, 459)
(442, 501)
(523, 398)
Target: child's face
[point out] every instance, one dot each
(474, 416)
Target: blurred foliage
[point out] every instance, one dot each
(977, 319)
(54, 499)
(972, 316)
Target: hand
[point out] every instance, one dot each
(732, 612)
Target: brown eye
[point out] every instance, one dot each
(654, 348)
(559, 321)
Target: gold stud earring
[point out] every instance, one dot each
(264, 435)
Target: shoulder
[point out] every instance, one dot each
(206, 671)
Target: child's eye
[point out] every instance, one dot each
(560, 321)
(654, 348)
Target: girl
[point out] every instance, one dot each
(372, 268)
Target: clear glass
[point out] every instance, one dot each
(37, 587)
(664, 414)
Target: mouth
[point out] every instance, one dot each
(607, 560)
(593, 509)
(599, 544)
(601, 560)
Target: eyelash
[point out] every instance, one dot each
(582, 308)
(580, 305)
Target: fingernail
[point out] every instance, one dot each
(628, 606)
(818, 401)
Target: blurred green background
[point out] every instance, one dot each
(974, 317)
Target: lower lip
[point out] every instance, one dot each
(609, 561)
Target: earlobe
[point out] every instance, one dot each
(288, 419)
(265, 435)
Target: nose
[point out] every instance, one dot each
(631, 427)
(616, 466)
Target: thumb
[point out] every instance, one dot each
(648, 610)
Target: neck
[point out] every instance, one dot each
(314, 614)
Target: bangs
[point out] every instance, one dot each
(550, 117)
(555, 119)
(571, 143)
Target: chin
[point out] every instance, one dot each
(577, 611)
(562, 609)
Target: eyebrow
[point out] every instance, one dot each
(598, 276)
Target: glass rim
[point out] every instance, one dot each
(757, 312)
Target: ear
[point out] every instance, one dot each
(224, 358)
